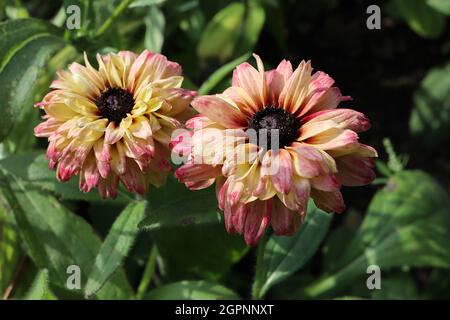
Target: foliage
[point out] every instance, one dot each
(173, 244)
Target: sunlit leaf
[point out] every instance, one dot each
(191, 290)
(25, 46)
(116, 246)
(55, 238)
(283, 256)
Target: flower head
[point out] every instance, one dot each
(270, 142)
(114, 123)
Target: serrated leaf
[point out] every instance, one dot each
(191, 290)
(116, 246)
(430, 117)
(25, 46)
(55, 238)
(420, 17)
(283, 256)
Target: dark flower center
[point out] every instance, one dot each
(274, 118)
(115, 103)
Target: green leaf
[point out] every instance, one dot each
(283, 256)
(55, 238)
(10, 250)
(188, 232)
(398, 287)
(407, 224)
(430, 118)
(191, 290)
(25, 46)
(442, 6)
(116, 246)
(32, 167)
(145, 3)
(420, 17)
(176, 206)
(154, 33)
(218, 75)
(40, 288)
(252, 26)
(233, 30)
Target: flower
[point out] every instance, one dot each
(114, 123)
(310, 148)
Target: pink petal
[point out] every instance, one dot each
(218, 110)
(329, 100)
(285, 222)
(251, 81)
(282, 179)
(328, 201)
(296, 88)
(354, 170)
(344, 118)
(325, 182)
(336, 142)
(257, 221)
(108, 187)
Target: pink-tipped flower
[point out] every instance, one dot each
(270, 142)
(114, 123)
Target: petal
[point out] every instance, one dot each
(344, 119)
(108, 187)
(251, 81)
(326, 182)
(329, 100)
(257, 221)
(191, 172)
(282, 165)
(328, 201)
(318, 87)
(220, 111)
(242, 100)
(285, 222)
(297, 198)
(336, 142)
(296, 88)
(354, 170)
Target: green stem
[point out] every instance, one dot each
(107, 24)
(148, 273)
(260, 270)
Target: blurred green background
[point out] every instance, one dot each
(399, 76)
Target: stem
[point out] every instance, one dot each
(119, 10)
(15, 278)
(260, 270)
(148, 273)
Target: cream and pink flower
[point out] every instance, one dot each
(317, 148)
(113, 123)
